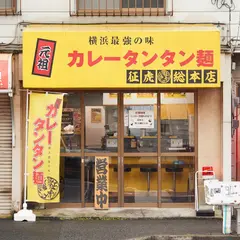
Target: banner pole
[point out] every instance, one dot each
(26, 151)
(39, 91)
(25, 214)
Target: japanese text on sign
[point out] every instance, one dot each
(148, 57)
(116, 40)
(202, 58)
(42, 155)
(141, 119)
(171, 76)
(222, 193)
(44, 57)
(101, 182)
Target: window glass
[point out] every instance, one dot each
(140, 180)
(140, 122)
(71, 124)
(139, 3)
(96, 4)
(115, 4)
(90, 179)
(6, 3)
(177, 122)
(101, 122)
(70, 179)
(177, 178)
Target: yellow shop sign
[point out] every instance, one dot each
(117, 57)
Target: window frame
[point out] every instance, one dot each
(121, 154)
(120, 11)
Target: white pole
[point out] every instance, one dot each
(227, 137)
(26, 152)
(25, 214)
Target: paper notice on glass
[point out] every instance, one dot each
(141, 119)
(125, 118)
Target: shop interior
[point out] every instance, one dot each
(148, 137)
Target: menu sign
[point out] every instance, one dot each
(141, 119)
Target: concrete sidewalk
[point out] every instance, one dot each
(116, 213)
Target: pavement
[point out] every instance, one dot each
(163, 229)
(115, 213)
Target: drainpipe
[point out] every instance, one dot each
(227, 139)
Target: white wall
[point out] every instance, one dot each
(57, 11)
(209, 129)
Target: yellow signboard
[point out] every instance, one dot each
(45, 113)
(117, 58)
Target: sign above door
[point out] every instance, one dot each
(117, 57)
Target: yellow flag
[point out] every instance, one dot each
(44, 132)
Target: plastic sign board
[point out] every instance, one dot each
(222, 193)
(141, 119)
(136, 56)
(5, 71)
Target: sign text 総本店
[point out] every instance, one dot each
(101, 183)
(44, 132)
(144, 58)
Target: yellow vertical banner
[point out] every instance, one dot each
(101, 183)
(44, 132)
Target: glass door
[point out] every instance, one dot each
(70, 155)
(149, 138)
(178, 147)
(140, 149)
(101, 139)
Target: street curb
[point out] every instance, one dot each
(106, 218)
(6, 217)
(188, 237)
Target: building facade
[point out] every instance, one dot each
(156, 135)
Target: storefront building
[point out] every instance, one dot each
(149, 98)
